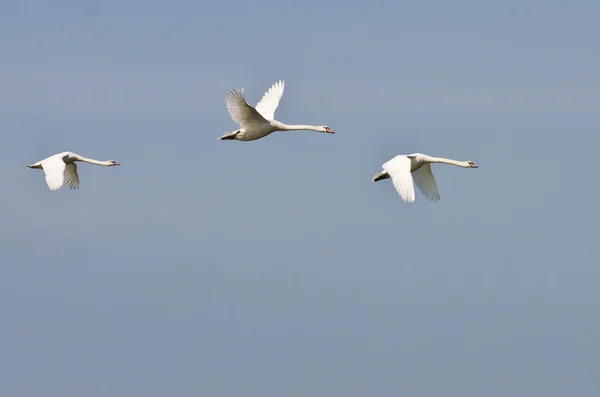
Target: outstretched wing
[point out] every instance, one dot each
(71, 176)
(54, 168)
(240, 111)
(270, 100)
(426, 182)
(399, 170)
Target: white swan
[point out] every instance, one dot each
(403, 169)
(61, 167)
(259, 122)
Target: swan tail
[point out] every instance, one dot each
(381, 176)
(229, 135)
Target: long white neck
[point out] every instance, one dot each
(92, 161)
(464, 164)
(297, 127)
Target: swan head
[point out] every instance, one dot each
(472, 164)
(326, 129)
(113, 162)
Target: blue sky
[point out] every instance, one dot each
(275, 267)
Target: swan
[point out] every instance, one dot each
(61, 167)
(259, 122)
(403, 169)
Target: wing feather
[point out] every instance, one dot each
(426, 182)
(270, 100)
(54, 168)
(240, 111)
(71, 176)
(399, 170)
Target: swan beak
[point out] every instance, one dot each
(329, 130)
(474, 166)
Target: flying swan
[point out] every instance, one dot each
(403, 169)
(61, 167)
(259, 122)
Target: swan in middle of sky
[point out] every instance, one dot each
(256, 123)
(403, 169)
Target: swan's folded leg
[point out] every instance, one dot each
(381, 176)
(229, 135)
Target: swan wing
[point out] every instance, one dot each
(71, 176)
(399, 170)
(240, 111)
(270, 100)
(425, 181)
(54, 168)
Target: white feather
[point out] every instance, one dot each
(270, 100)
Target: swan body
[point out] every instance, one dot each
(258, 122)
(416, 167)
(61, 167)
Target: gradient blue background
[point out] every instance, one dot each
(276, 268)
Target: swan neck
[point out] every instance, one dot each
(92, 161)
(297, 127)
(448, 161)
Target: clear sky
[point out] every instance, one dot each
(276, 267)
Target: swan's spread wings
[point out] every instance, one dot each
(426, 182)
(399, 170)
(270, 100)
(71, 176)
(54, 168)
(239, 110)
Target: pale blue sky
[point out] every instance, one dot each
(276, 268)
